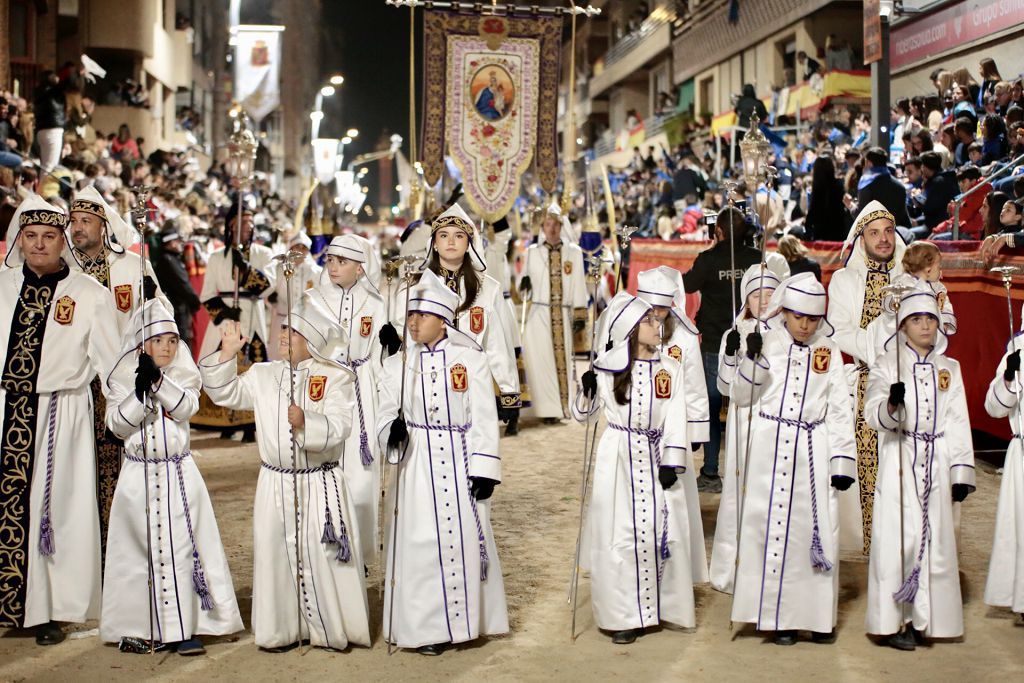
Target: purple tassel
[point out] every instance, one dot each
(818, 559)
(665, 552)
(908, 591)
(344, 551)
(364, 450)
(485, 564)
(46, 537)
(328, 536)
(199, 584)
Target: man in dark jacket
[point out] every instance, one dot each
(173, 277)
(713, 276)
(940, 187)
(749, 104)
(51, 117)
(877, 183)
(687, 181)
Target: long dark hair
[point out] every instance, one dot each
(468, 275)
(826, 204)
(995, 201)
(622, 381)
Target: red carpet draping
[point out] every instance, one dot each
(977, 295)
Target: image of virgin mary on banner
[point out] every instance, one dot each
(491, 92)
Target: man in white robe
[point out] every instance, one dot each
(443, 580)
(556, 291)
(874, 257)
(60, 331)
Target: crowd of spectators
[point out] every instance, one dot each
(935, 176)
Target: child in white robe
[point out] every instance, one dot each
(153, 393)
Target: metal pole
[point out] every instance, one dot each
(142, 196)
(880, 88)
(1007, 273)
(408, 277)
(588, 453)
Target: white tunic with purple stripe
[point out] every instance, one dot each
(801, 435)
(334, 610)
(1005, 584)
(937, 453)
(183, 528)
(441, 592)
(641, 562)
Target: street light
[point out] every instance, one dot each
(337, 79)
(755, 150)
(346, 140)
(352, 133)
(242, 147)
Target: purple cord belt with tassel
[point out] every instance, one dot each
(46, 543)
(199, 584)
(908, 589)
(654, 439)
(329, 537)
(818, 559)
(461, 431)
(365, 456)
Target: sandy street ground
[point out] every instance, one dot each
(535, 519)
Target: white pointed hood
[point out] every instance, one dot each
(568, 234)
(34, 210)
(89, 199)
(853, 247)
(456, 217)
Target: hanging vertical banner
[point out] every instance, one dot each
(872, 31)
(490, 102)
(258, 69)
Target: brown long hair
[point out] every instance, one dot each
(472, 280)
(622, 381)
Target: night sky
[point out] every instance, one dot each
(368, 43)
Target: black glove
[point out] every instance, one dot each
(755, 342)
(481, 487)
(694, 447)
(238, 260)
(578, 326)
(146, 374)
(1012, 366)
(841, 482)
(960, 492)
(525, 286)
(228, 313)
(506, 414)
(590, 384)
(897, 392)
(609, 345)
(668, 477)
(398, 435)
(500, 225)
(149, 288)
(272, 299)
(389, 338)
(732, 342)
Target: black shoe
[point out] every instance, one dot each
(709, 483)
(281, 648)
(785, 637)
(551, 421)
(824, 638)
(49, 633)
(512, 428)
(249, 435)
(904, 640)
(625, 637)
(432, 650)
(227, 433)
(191, 647)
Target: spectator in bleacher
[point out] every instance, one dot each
(795, 253)
(808, 65)
(972, 224)
(51, 118)
(994, 146)
(990, 211)
(747, 105)
(989, 73)
(827, 219)
(877, 183)
(963, 129)
(124, 145)
(940, 187)
(1010, 219)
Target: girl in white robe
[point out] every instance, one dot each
(639, 527)
(193, 593)
(787, 577)
(918, 594)
(329, 581)
(443, 578)
(1005, 584)
(756, 293)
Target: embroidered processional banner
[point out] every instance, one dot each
(491, 104)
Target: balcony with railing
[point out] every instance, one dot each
(652, 39)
